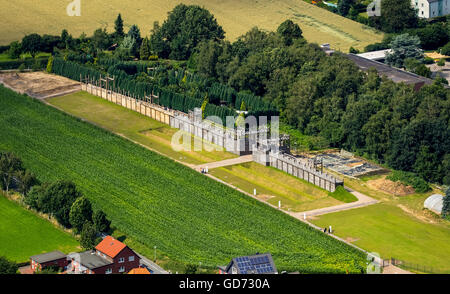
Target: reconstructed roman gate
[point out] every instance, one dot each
(265, 151)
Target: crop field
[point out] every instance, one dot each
(23, 234)
(273, 185)
(134, 126)
(22, 17)
(158, 202)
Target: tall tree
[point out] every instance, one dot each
(446, 204)
(404, 46)
(88, 236)
(144, 52)
(32, 44)
(10, 164)
(185, 27)
(100, 39)
(60, 196)
(101, 223)
(80, 212)
(118, 27)
(343, 6)
(15, 49)
(289, 31)
(26, 180)
(397, 15)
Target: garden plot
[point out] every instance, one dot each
(39, 85)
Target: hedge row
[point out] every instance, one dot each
(29, 62)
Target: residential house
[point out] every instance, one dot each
(109, 257)
(431, 8)
(254, 264)
(49, 259)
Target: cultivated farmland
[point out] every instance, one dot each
(159, 202)
(236, 17)
(23, 234)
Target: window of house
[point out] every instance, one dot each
(131, 258)
(121, 260)
(121, 269)
(108, 271)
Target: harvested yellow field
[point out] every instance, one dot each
(22, 17)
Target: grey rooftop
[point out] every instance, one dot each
(49, 256)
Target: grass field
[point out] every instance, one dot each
(23, 234)
(273, 185)
(392, 232)
(237, 17)
(133, 125)
(158, 202)
(397, 227)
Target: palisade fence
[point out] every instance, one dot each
(232, 140)
(413, 266)
(123, 75)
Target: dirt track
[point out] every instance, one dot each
(39, 85)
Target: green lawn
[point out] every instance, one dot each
(158, 202)
(133, 125)
(390, 231)
(23, 234)
(274, 185)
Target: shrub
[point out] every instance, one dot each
(7, 267)
(22, 67)
(410, 179)
(353, 50)
(191, 269)
(446, 49)
(50, 64)
(428, 60)
(441, 62)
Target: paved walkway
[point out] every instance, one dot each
(392, 269)
(227, 162)
(363, 200)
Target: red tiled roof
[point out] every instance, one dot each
(110, 246)
(139, 271)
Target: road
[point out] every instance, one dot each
(153, 267)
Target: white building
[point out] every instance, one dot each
(431, 8)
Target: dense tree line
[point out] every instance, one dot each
(329, 97)
(60, 199)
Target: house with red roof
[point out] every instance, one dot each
(110, 256)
